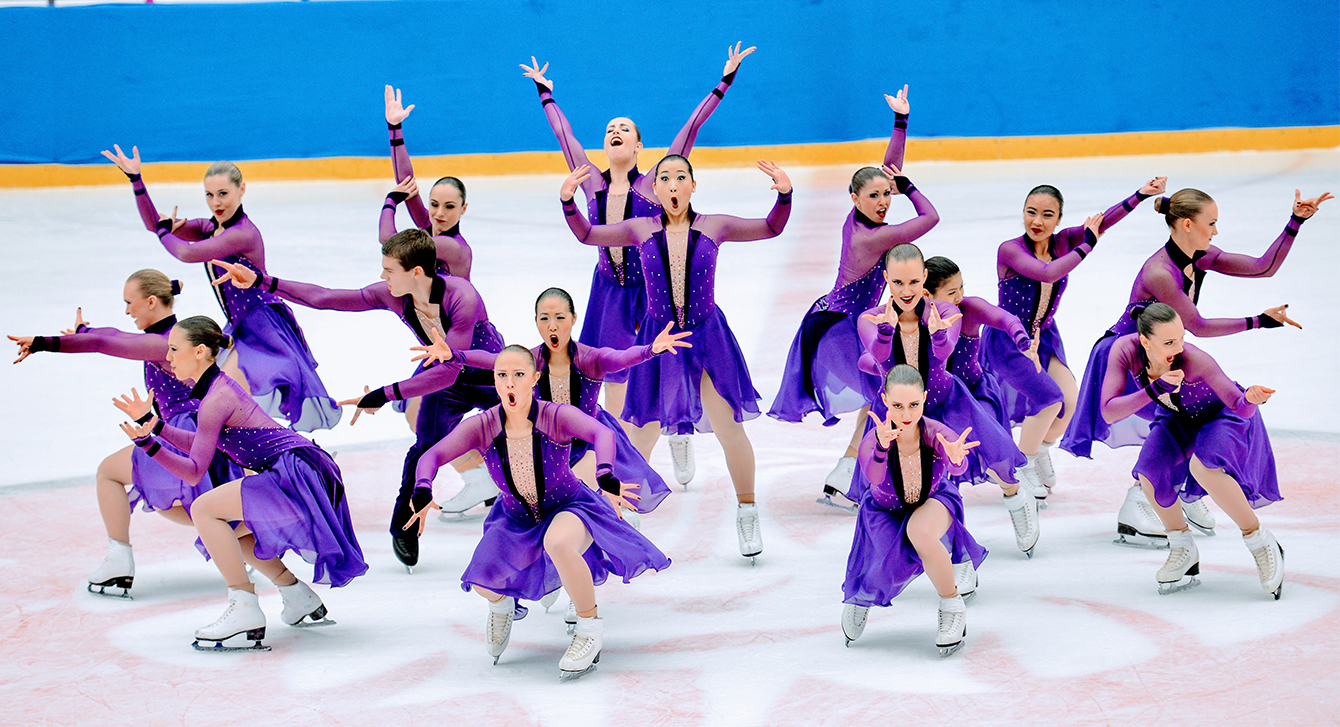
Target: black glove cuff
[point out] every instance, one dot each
(608, 483)
(1265, 321)
(903, 184)
(374, 399)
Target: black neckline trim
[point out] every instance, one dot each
(861, 218)
(633, 174)
(1180, 258)
(574, 376)
(202, 384)
(453, 231)
(236, 218)
(927, 471)
(162, 326)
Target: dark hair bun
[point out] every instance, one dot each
(176, 287)
(1162, 205)
(1136, 311)
(225, 341)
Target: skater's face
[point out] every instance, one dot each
(907, 281)
(1165, 343)
(514, 378)
(445, 206)
(905, 403)
(950, 290)
(1199, 230)
(554, 321)
(873, 199)
(622, 140)
(222, 196)
(145, 311)
(400, 281)
(1042, 212)
(674, 186)
(187, 361)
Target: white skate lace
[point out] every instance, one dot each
(1019, 518)
(859, 616)
(1265, 561)
(1177, 558)
(951, 623)
(679, 452)
(1147, 511)
(1043, 464)
(748, 526)
(498, 623)
(579, 648)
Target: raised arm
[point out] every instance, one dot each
(978, 312)
(893, 155)
(938, 433)
(683, 143)
(235, 240)
(946, 325)
(1246, 266)
(573, 153)
(396, 113)
(621, 234)
(874, 242)
(1121, 360)
(469, 436)
(1167, 290)
(1014, 255)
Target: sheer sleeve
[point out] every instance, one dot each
(597, 363)
(893, 154)
(1014, 255)
(148, 214)
(373, 297)
(935, 430)
(386, 221)
(573, 153)
(404, 169)
(978, 312)
(235, 240)
(1121, 360)
(879, 240)
(217, 406)
(475, 359)
(727, 228)
(112, 342)
(943, 342)
(876, 337)
(1199, 366)
(1246, 266)
(683, 143)
(621, 234)
(469, 436)
(874, 461)
(576, 424)
(1167, 290)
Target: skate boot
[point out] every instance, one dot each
(549, 599)
(243, 615)
(1183, 565)
(301, 603)
(953, 625)
(1029, 480)
(681, 453)
(1199, 515)
(406, 548)
(1137, 524)
(965, 578)
(584, 652)
(1023, 508)
(1269, 557)
(570, 617)
(117, 571)
(853, 621)
(478, 489)
(836, 485)
(1046, 472)
(498, 627)
(748, 531)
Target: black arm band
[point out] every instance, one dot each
(374, 399)
(899, 121)
(273, 286)
(44, 343)
(903, 184)
(145, 419)
(729, 78)
(397, 197)
(608, 483)
(392, 127)
(1265, 321)
(163, 227)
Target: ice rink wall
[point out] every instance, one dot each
(303, 81)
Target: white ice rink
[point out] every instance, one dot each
(1076, 635)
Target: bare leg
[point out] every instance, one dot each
(1069, 390)
(854, 446)
(1227, 494)
(212, 512)
(614, 398)
(565, 541)
(177, 515)
(1036, 428)
(1171, 517)
(232, 367)
(644, 438)
(113, 478)
(467, 461)
(274, 569)
(486, 593)
(412, 413)
(734, 440)
(925, 526)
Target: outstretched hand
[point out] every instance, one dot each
(889, 316)
(899, 103)
(535, 73)
(1280, 313)
(133, 406)
(354, 402)
(573, 181)
(238, 274)
(395, 112)
(621, 501)
(667, 341)
(885, 429)
(1157, 185)
(958, 448)
(734, 57)
(176, 223)
(1259, 395)
(780, 181)
(421, 517)
(436, 352)
(25, 346)
(139, 431)
(934, 323)
(78, 321)
(1304, 208)
(129, 165)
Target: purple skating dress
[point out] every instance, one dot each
(882, 560)
(295, 501)
(1031, 290)
(947, 398)
(589, 369)
(821, 372)
(454, 256)
(965, 362)
(1207, 416)
(618, 299)
(275, 359)
(1168, 276)
(667, 389)
(447, 393)
(152, 486)
(536, 484)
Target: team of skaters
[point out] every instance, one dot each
(936, 380)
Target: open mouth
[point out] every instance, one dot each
(674, 202)
(511, 399)
(907, 301)
(616, 141)
(881, 212)
(553, 340)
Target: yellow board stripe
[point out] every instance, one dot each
(853, 152)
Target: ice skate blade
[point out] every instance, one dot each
(571, 628)
(496, 658)
(1029, 552)
(102, 591)
(1185, 584)
(827, 499)
(1208, 532)
(520, 612)
(254, 635)
(947, 650)
(549, 600)
(409, 570)
(1278, 592)
(318, 618)
(567, 676)
(464, 516)
(1136, 540)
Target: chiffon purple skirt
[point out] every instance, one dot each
(154, 488)
(1229, 442)
(629, 465)
(613, 314)
(821, 372)
(1088, 425)
(510, 557)
(299, 505)
(1026, 390)
(990, 396)
(882, 560)
(280, 369)
(668, 388)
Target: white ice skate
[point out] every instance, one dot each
(748, 531)
(1046, 472)
(1183, 565)
(478, 489)
(117, 571)
(570, 617)
(1023, 509)
(1030, 480)
(953, 625)
(300, 604)
(965, 578)
(550, 599)
(584, 652)
(1137, 524)
(853, 621)
(681, 453)
(1269, 557)
(498, 627)
(243, 615)
(836, 485)
(1199, 516)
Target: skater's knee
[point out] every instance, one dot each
(1198, 468)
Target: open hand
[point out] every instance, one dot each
(354, 402)
(573, 181)
(1304, 208)
(1095, 225)
(395, 112)
(735, 56)
(957, 449)
(139, 431)
(133, 406)
(622, 500)
(780, 181)
(436, 352)
(667, 341)
(535, 73)
(240, 275)
(421, 517)
(886, 429)
(899, 103)
(129, 165)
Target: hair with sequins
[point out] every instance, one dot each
(412, 248)
(938, 270)
(555, 293)
(154, 283)
(1048, 191)
(516, 348)
(1184, 204)
(227, 169)
(1152, 316)
(903, 252)
(904, 375)
(671, 157)
(864, 176)
(203, 331)
(453, 181)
